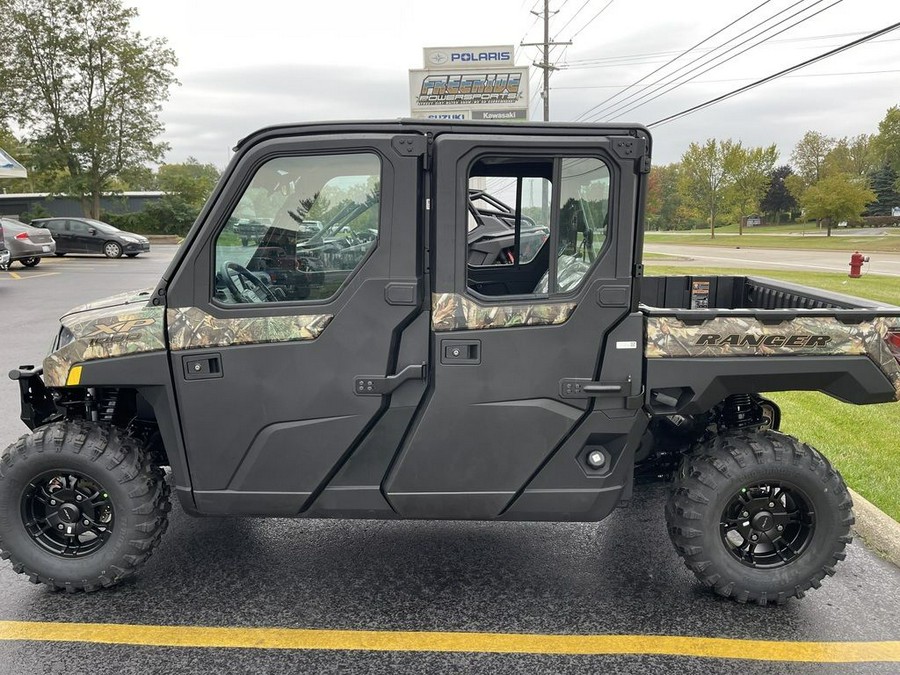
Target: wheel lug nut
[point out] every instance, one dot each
(744, 514)
(753, 537)
(87, 522)
(78, 498)
(52, 502)
(781, 528)
(59, 527)
(771, 505)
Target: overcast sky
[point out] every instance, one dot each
(247, 65)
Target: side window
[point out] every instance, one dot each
(583, 217)
(493, 218)
(300, 230)
(78, 227)
(533, 218)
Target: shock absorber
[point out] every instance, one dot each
(740, 411)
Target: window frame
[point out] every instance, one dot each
(242, 190)
(556, 155)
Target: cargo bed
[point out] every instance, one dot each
(732, 334)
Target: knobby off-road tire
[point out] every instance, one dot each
(745, 485)
(132, 494)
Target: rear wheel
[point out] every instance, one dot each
(30, 262)
(81, 508)
(759, 516)
(112, 250)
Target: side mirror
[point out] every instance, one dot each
(92, 231)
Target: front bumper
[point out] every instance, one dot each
(38, 406)
(141, 247)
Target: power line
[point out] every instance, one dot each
(775, 76)
(689, 49)
(594, 18)
(572, 18)
(622, 108)
(743, 79)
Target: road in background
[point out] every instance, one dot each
(621, 577)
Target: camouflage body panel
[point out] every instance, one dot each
(192, 328)
(669, 337)
(105, 333)
(450, 311)
(126, 298)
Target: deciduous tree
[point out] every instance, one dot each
(704, 178)
(836, 198)
(749, 170)
(85, 87)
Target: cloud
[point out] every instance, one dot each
(212, 110)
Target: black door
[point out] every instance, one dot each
(286, 354)
(81, 240)
(506, 424)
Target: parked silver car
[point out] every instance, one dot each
(27, 244)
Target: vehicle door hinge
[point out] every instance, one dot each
(412, 145)
(638, 271)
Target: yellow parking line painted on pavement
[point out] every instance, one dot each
(18, 277)
(414, 641)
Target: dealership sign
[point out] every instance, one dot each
(468, 57)
(474, 88)
(467, 83)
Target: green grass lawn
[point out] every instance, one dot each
(880, 288)
(863, 442)
(886, 243)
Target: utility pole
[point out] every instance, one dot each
(545, 65)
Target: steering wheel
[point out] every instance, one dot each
(250, 281)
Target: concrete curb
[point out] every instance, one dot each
(880, 532)
(164, 238)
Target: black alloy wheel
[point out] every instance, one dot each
(67, 513)
(768, 524)
(759, 516)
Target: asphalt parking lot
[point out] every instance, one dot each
(373, 596)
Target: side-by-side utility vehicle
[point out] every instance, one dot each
(440, 321)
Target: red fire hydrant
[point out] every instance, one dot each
(856, 263)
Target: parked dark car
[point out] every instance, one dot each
(4, 252)
(26, 244)
(85, 235)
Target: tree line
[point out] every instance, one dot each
(829, 180)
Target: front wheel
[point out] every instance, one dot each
(759, 516)
(30, 262)
(81, 508)
(112, 250)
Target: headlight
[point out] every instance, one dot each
(65, 337)
(131, 240)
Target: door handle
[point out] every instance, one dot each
(204, 367)
(573, 387)
(368, 385)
